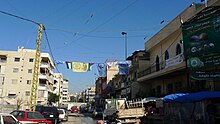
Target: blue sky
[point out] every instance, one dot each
(86, 30)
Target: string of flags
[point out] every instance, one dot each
(123, 67)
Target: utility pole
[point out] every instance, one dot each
(34, 87)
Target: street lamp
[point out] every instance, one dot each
(125, 34)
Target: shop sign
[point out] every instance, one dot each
(204, 61)
(202, 75)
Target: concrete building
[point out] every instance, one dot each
(90, 94)
(65, 91)
(167, 72)
(58, 86)
(16, 73)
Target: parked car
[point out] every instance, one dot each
(8, 119)
(83, 108)
(49, 112)
(97, 113)
(74, 109)
(30, 116)
(63, 116)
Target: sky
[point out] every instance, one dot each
(85, 30)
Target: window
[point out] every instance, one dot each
(41, 93)
(20, 115)
(17, 59)
(178, 49)
(14, 81)
(31, 60)
(8, 119)
(15, 70)
(12, 95)
(28, 81)
(166, 55)
(157, 64)
(27, 93)
(29, 70)
(3, 59)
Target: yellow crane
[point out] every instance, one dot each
(34, 87)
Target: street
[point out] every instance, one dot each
(74, 118)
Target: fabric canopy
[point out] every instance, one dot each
(191, 97)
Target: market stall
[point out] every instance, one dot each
(191, 108)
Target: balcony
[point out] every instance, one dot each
(165, 67)
(43, 76)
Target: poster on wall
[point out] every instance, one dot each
(202, 62)
(201, 34)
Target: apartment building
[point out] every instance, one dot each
(16, 73)
(65, 90)
(58, 86)
(90, 94)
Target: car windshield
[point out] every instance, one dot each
(49, 109)
(35, 115)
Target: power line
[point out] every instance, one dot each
(22, 18)
(50, 49)
(85, 35)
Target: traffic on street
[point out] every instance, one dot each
(110, 62)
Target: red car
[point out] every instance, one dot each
(32, 116)
(74, 109)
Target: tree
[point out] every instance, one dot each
(53, 98)
(19, 103)
(73, 99)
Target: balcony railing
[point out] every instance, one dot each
(163, 65)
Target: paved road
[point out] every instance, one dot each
(79, 119)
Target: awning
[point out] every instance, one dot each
(191, 97)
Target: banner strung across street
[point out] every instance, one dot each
(79, 66)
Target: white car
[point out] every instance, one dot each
(8, 119)
(63, 116)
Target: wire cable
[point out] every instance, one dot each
(22, 18)
(50, 49)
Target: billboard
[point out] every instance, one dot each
(201, 34)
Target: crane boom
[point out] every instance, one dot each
(34, 87)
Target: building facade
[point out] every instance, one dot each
(16, 73)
